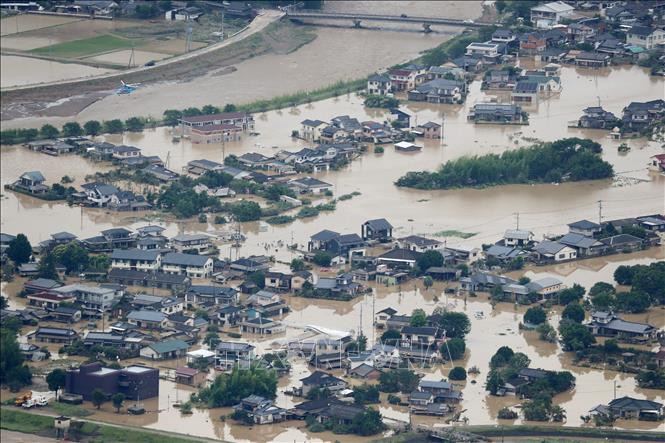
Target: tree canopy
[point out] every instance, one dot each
(19, 249)
(229, 389)
(570, 159)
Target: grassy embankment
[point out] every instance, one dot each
(565, 432)
(85, 47)
(28, 423)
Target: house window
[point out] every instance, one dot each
(562, 255)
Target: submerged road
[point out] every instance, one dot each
(265, 17)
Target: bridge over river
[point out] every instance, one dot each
(357, 19)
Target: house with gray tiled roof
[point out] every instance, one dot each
(378, 229)
(147, 319)
(164, 350)
(136, 259)
(608, 324)
(551, 251)
(193, 266)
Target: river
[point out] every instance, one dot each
(336, 54)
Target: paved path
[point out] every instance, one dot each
(265, 17)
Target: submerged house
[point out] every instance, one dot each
(439, 90)
(607, 324)
(595, 117)
(498, 113)
(32, 182)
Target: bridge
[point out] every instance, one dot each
(357, 19)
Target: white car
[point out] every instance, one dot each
(469, 21)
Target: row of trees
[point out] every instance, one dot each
(172, 116)
(570, 159)
(73, 129)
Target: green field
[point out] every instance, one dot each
(85, 47)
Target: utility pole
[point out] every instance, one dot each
(222, 24)
(600, 212)
(615, 389)
(517, 220)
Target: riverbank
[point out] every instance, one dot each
(258, 78)
(596, 434)
(43, 425)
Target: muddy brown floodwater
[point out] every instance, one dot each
(336, 54)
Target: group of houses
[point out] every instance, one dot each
(636, 117)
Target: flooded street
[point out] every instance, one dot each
(484, 214)
(544, 208)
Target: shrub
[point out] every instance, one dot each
(457, 373)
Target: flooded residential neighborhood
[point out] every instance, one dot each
(333, 221)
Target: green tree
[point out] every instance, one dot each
(546, 332)
(501, 357)
(624, 275)
(575, 336)
(98, 397)
(500, 6)
(12, 369)
(428, 282)
(171, 117)
(573, 312)
(390, 336)
(398, 380)
(118, 399)
(601, 288)
(72, 256)
(48, 131)
(134, 124)
(229, 389)
(210, 109)
(230, 107)
(297, 265)
(570, 295)
(365, 394)
(92, 127)
(368, 422)
(322, 258)
(535, 315)
(258, 278)
(191, 112)
(633, 301)
(429, 259)
(453, 348)
(47, 267)
(56, 380)
(455, 324)
(244, 211)
(19, 250)
(457, 373)
(115, 126)
(72, 129)
(418, 318)
(212, 339)
(494, 382)
(99, 262)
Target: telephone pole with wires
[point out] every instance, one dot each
(517, 220)
(600, 212)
